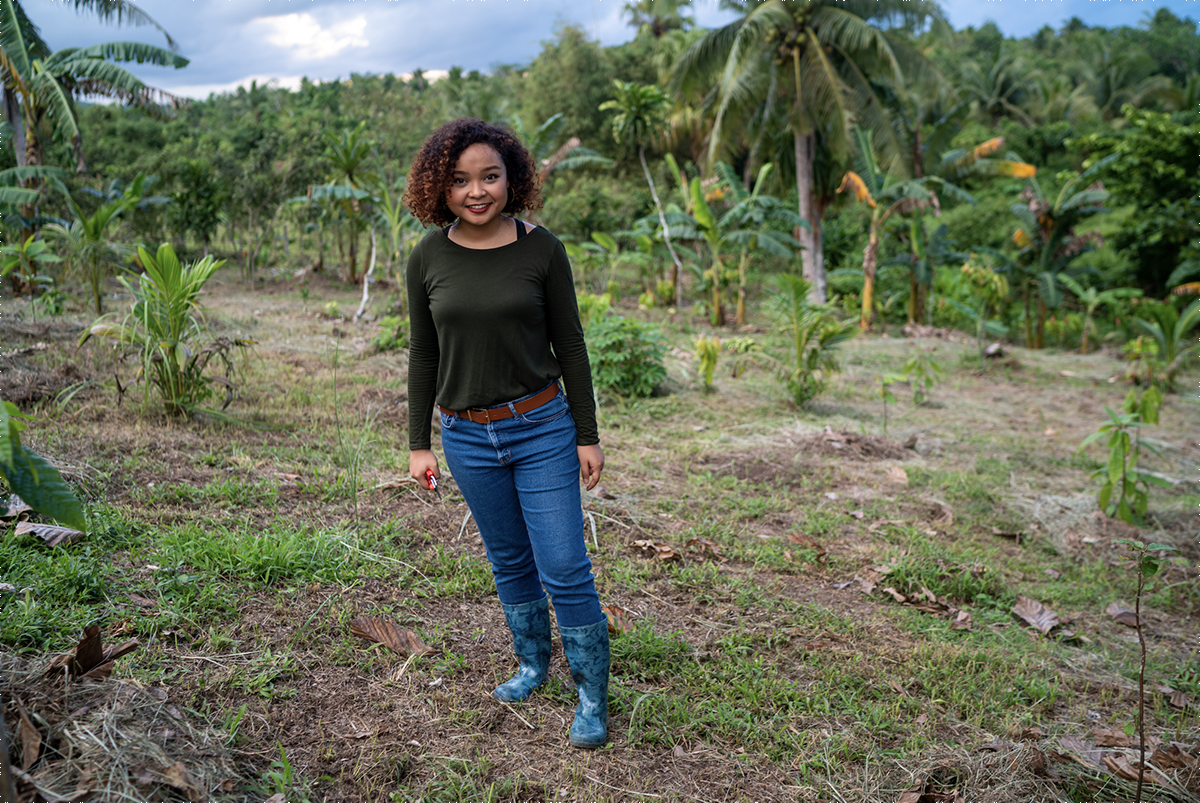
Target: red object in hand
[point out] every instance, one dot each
(432, 481)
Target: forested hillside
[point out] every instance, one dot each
(955, 108)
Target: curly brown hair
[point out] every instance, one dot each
(431, 171)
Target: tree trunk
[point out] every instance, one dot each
(870, 257)
(352, 277)
(805, 145)
(1028, 319)
(741, 301)
(286, 245)
(1040, 334)
(676, 273)
(12, 113)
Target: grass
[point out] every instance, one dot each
(238, 557)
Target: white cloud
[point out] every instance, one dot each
(307, 40)
(202, 91)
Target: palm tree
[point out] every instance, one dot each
(640, 112)
(90, 250)
(1048, 241)
(41, 87)
(999, 88)
(658, 16)
(544, 145)
(349, 174)
(1091, 298)
(817, 60)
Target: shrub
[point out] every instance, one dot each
(626, 356)
(813, 334)
(166, 330)
(393, 334)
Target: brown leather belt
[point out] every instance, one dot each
(484, 415)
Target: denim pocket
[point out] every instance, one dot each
(552, 410)
(447, 420)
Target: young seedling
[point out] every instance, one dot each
(885, 392)
(1124, 493)
(1147, 564)
(708, 351)
(922, 373)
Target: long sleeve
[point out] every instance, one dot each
(423, 354)
(566, 337)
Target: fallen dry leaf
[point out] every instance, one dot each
(1086, 754)
(1122, 614)
(703, 545)
(618, 618)
(1012, 536)
(177, 777)
(1126, 769)
(1036, 614)
(142, 602)
(277, 798)
(942, 514)
(1052, 574)
(912, 795)
(858, 514)
(896, 595)
(961, 622)
(52, 534)
(600, 492)
(1172, 757)
(876, 525)
(656, 550)
(30, 736)
(1050, 432)
(1111, 737)
(865, 584)
(897, 475)
(389, 634)
(1179, 700)
(90, 658)
(807, 542)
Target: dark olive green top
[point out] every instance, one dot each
(492, 325)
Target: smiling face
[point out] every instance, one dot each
(478, 187)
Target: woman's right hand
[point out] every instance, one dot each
(420, 461)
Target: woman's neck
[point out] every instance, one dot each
(498, 232)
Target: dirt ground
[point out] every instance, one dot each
(803, 509)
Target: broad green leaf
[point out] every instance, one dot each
(1140, 503)
(1116, 464)
(605, 241)
(1151, 401)
(1149, 567)
(1105, 495)
(41, 486)
(1124, 511)
(1161, 548)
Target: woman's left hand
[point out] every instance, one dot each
(591, 463)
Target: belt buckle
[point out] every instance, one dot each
(487, 416)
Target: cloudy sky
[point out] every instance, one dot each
(232, 42)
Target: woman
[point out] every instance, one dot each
(494, 325)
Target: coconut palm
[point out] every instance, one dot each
(1091, 298)
(41, 88)
(658, 16)
(820, 61)
(550, 152)
(640, 114)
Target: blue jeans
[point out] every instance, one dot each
(520, 477)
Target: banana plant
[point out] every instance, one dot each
(887, 193)
(741, 229)
(1170, 331)
(1091, 299)
(755, 212)
(1048, 243)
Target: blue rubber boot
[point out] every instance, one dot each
(530, 626)
(586, 649)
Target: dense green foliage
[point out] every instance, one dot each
(273, 179)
